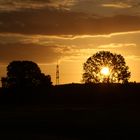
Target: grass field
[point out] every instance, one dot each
(70, 112)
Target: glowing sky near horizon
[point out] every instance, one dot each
(47, 31)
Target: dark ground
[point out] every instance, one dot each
(71, 112)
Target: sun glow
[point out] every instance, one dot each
(105, 71)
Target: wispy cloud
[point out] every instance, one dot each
(16, 5)
(60, 40)
(119, 5)
(108, 7)
(65, 4)
(45, 48)
(113, 45)
(93, 7)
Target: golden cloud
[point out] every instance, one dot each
(117, 5)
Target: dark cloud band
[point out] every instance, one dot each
(61, 22)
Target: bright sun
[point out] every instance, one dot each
(105, 71)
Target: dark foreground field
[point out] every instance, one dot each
(71, 112)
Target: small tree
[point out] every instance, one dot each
(105, 67)
(25, 74)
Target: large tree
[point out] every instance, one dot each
(25, 74)
(106, 67)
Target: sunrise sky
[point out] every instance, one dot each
(69, 31)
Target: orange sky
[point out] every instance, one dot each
(47, 31)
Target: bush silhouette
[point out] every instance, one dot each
(105, 67)
(25, 74)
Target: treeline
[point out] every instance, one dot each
(26, 83)
(72, 94)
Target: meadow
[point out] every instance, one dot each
(73, 111)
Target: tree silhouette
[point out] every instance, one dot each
(25, 74)
(113, 66)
